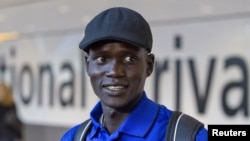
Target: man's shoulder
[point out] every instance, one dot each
(202, 135)
(70, 133)
(182, 126)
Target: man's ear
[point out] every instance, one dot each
(150, 64)
(86, 61)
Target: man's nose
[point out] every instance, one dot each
(115, 69)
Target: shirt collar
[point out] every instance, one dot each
(141, 119)
(95, 116)
(137, 123)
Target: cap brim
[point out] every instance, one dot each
(85, 45)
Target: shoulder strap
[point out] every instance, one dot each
(182, 127)
(82, 130)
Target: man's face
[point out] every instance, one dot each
(118, 72)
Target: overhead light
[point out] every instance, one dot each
(7, 36)
(207, 9)
(85, 19)
(63, 9)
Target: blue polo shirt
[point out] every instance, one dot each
(147, 122)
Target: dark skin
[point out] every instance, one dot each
(118, 72)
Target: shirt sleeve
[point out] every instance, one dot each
(202, 135)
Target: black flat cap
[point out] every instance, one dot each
(120, 24)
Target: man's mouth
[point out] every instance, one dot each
(115, 88)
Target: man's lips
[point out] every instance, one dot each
(115, 87)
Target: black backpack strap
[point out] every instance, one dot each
(182, 127)
(82, 130)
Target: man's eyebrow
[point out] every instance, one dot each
(100, 51)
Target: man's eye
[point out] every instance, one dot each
(129, 59)
(100, 59)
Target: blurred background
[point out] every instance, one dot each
(202, 51)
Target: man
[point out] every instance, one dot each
(10, 124)
(118, 44)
